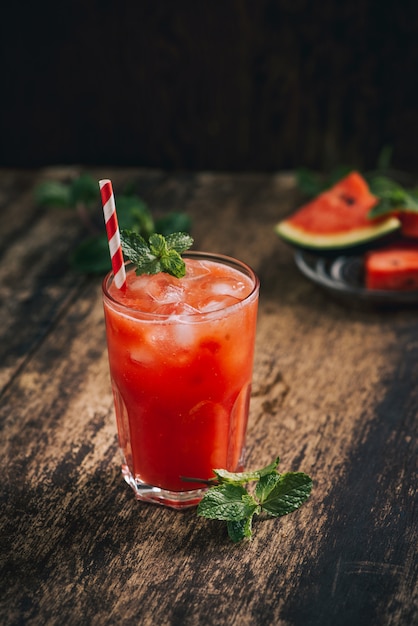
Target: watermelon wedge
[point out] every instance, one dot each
(394, 267)
(337, 219)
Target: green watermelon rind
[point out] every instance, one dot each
(336, 241)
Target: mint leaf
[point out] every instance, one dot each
(169, 258)
(392, 197)
(383, 207)
(82, 194)
(312, 183)
(172, 263)
(411, 201)
(408, 202)
(384, 187)
(309, 183)
(245, 477)
(227, 502)
(384, 158)
(92, 256)
(265, 486)
(274, 494)
(172, 222)
(136, 249)
(287, 495)
(53, 194)
(240, 529)
(84, 190)
(158, 245)
(159, 254)
(133, 214)
(180, 242)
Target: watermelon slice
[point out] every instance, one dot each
(337, 219)
(394, 267)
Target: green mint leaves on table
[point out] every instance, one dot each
(159, 254)
(82, 195)
(274, 495)
(79, 191)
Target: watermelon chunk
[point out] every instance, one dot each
(394, 267)
(338, 218)
(409, 221)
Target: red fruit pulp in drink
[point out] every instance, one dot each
(181, 358)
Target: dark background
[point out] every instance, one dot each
(220, 84)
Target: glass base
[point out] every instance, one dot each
(164, 497)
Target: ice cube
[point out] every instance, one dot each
(216, 303)
(175, 309)
(184, 334)
(230, 287)
(165, 289)
(141, 354)
(137, 285)
(196, 269)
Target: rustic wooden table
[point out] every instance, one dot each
(335, 395)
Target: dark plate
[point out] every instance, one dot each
(344, 276)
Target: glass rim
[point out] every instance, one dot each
(138, 314)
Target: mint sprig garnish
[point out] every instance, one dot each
(274, 495)
(158, 254)
(392, 197)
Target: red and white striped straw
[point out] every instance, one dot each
(113, 235)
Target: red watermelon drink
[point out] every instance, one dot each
(181, 358)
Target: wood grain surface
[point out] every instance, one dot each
(335, 395)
